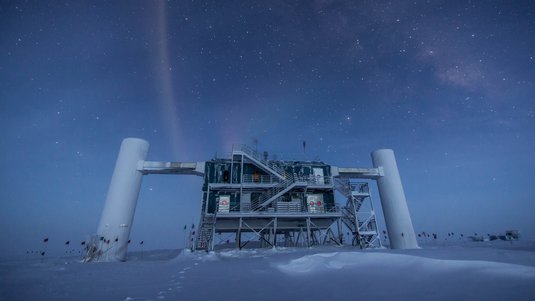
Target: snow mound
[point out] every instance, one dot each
(336, 261)
(234, 253)
(204, 257)
(254, 253)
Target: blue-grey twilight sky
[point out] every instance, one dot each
(449, 85)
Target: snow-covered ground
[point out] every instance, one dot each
(464, 271)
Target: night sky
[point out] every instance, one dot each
(449, 85)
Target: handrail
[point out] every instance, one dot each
(268, 179)
(360, 187)
(261, 179)
(315, 180)
(342, 186)
(254, 154)
(273, 191)
(286, 179)
(303, 209)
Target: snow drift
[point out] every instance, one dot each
(473, 272)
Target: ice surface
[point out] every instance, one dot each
(478, 271)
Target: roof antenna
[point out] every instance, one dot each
(255, 142)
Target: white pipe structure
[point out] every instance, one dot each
(118, 213)
(395, 210)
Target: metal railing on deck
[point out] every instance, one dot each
(268, 179)
(315, 180)
(302, 207)
(261, 179)
(273, 191)
(360, 187)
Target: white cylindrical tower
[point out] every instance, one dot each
(396, 213)
(118, 213)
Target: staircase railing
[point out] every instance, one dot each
(260, 158)
(349, 219)
(204, 236)
(286, 179)
(342, 186)
(256, 204)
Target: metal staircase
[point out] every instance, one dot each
(206, 232)
(287, 181)
(275, 192)
(362, 224)
(268, 166)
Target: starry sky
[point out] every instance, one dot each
(449, 85)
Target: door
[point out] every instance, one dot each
(318, 176)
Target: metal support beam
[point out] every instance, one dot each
(309, 244)
(275, 233)
(177, 168)
(238, 234)
(299, 235)
(357, 173)
(340, 234)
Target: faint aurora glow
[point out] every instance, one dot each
(167, 101)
